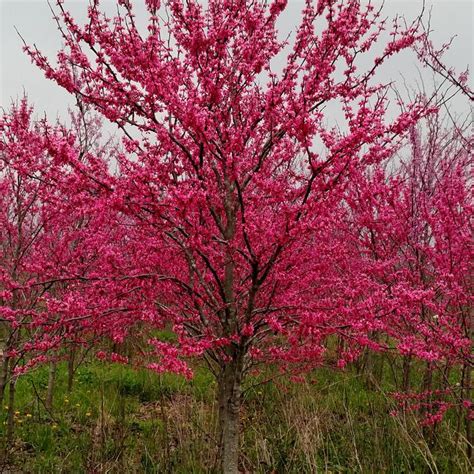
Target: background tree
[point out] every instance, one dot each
(46, 244)
(414, 222)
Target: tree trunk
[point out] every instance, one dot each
(427, 386)
(50, 391)
(229, 398)
(11, 412)
(467, 391)
(70, 369)
(406, 373)
(4, 376)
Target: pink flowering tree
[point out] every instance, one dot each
(413, 225)
(27, 178)
(28, 174)
(21, 227)
(48, 244)
(438, 207)
(231, 177)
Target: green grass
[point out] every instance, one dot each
(117, 419)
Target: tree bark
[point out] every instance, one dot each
(4, 376)
(467, 390)
(11, 412)
(406, 373)
(427, 386)
(70, 369)
(229, 398)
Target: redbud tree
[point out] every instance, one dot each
(35, 232)
(47, 177)
(231, 175)
(412, 221)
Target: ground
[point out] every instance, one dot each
(123, 420)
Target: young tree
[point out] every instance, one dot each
(47, 243)
(231, 176)
(24, 238)
(412, 222)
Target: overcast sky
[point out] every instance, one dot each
(33, 19)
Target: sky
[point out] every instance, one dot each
(32, 18)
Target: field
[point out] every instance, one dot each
(122, 420)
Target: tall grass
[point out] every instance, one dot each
(122, 420)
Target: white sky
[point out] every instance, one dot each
(33, 19)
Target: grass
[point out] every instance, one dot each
(117, 419)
